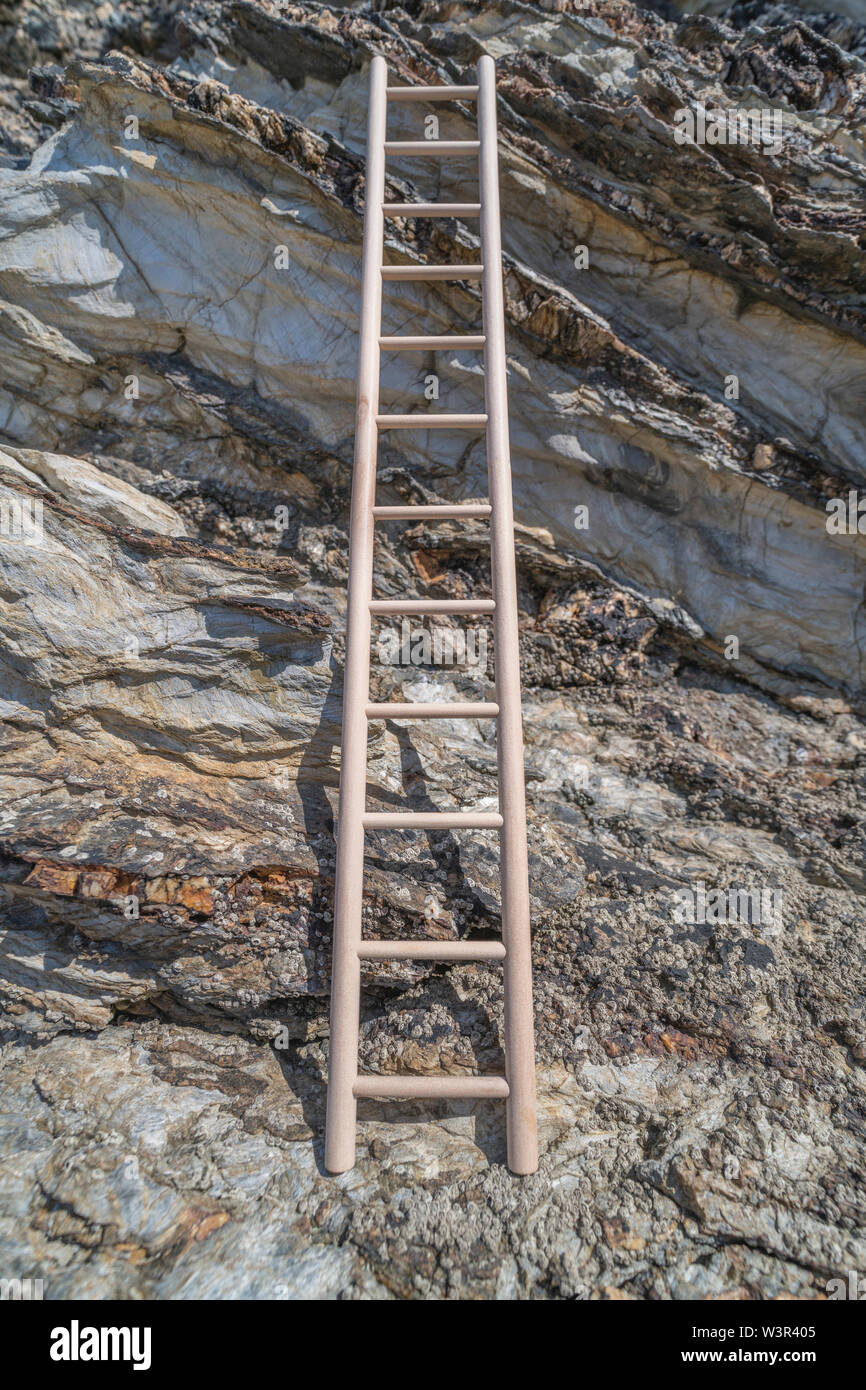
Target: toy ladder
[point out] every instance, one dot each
(345, 1085)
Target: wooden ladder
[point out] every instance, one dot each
(345, 1084)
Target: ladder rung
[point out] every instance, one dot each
(431, 209)
(432, 272)
(432, 950)
(407, 343)
(432, 1087)
(422, 421)
(432, 605)
(432, 820)
(433, 147)
(417, 710)
(432, 93)
(440, 512)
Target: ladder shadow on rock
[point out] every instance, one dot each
(312, 787)
(309, 1083)
(445, 850)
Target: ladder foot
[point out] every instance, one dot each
(335, 1168)
(340, 1153)
(523, 1171)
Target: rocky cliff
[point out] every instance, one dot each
(182, 203)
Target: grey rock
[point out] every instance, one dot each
(176, 421)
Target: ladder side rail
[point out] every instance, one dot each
(346, 968)
(519, 1032)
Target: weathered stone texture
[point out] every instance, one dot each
(176, 418)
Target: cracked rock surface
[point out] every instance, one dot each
(181, 217)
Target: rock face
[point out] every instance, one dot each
(182, 202)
